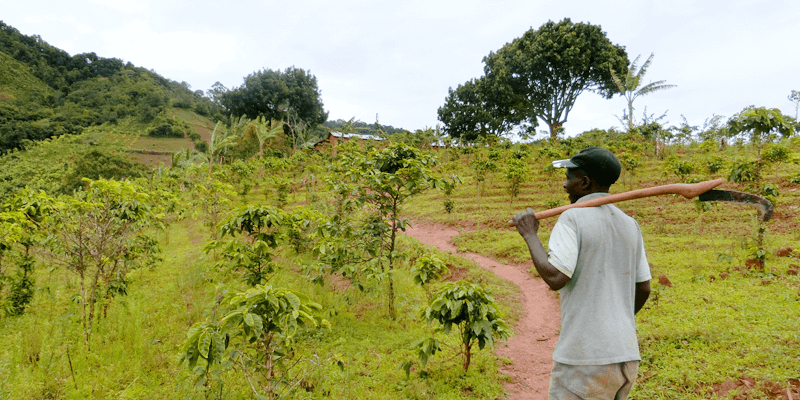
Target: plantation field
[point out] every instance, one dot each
(169, 323)
(720, 321)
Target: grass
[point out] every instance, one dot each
(136, 346)
(699, 332)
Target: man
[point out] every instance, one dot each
(598, 263)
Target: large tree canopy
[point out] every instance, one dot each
(275, 95)
(467, 114)
(546, 69)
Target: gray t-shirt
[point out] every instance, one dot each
(602, 250)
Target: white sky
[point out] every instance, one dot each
(397, 59)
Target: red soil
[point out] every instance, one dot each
(535, 337)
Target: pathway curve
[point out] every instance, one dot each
(536, 334)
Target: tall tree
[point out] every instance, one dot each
(630, 86)
(467, 114)
(271, 94)
(546, 69)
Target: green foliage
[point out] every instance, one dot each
(541, 74)
(775, 154)
(21, 222)
(427, 268)
(253, 253)
(472, 309)
(482, 167)
(97, 164)
(272, 94)
(389, 177)
(770, 191)
(715, 164)
(516, 173)
(548, 153)
(47, 93)
(743, 171)
(96, 235)
(299, 226)
(682, 169)
(210, 200)
(760, 123)
(258, 335)
(470, 112)
(630, 87)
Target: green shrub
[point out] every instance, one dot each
(775, 153)
(742, 171)
(97, 164)
(714, 164)
(165, 130)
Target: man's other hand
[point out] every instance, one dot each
(526, 223)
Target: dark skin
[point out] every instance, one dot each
(577, 185)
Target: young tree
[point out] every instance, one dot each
(546, 69)
(266, 131)
(631, 88)
(220, 140)
(252, 253)
(761, 124)
(96, 232)
(21, 231)
(473, 310)
(259, 336)
(390, 176)
(516, 172)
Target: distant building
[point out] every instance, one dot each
(334, 138)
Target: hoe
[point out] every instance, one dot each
(705, 190)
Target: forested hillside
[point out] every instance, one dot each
(45, 92)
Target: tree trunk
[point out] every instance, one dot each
(467, 356)
(554, 129)
(392, 312)
(83, 310)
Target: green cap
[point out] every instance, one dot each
(597, 163)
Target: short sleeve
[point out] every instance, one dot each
(643, 269)
(563, 249)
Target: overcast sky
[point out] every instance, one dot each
(397, 59)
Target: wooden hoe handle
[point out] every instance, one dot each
(687, 190)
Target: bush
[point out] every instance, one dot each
(775, 153)
(742, 171)
(99, 165)
(714, 164)
(165, 130)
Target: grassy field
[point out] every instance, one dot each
(721, 329)
(720, 321)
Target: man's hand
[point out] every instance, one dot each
(526, 223)
(528, 226)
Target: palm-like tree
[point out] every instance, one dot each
(630, 86)
(266, 130)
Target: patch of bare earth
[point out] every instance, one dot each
(535, 337)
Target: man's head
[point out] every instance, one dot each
(597, 163)
(593, 169)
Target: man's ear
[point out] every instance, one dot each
(586, 182)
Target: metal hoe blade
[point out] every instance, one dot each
(764, 206)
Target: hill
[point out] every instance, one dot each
(45, 92)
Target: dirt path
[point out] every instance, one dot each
(535, 337)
